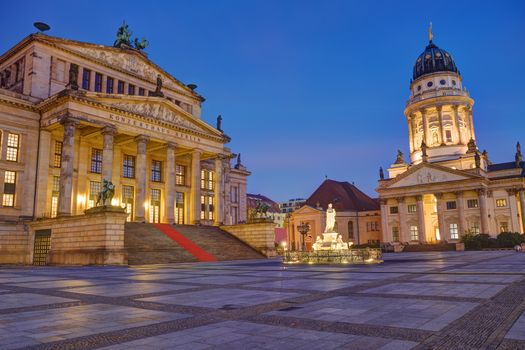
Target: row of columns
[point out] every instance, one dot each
(412, 125)
(440, 205)
(108, 133)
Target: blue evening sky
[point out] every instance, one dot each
(312, 88)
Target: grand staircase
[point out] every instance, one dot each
(163, 244)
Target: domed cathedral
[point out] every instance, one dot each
(448, 188)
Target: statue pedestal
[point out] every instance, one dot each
(330, 237)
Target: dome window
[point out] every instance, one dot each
(442, 82)
(429, 84)
(419, 88)
(428, 57)
(453, 82)
(438, 54)
(419, 59)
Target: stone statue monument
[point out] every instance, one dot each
(106, 194)
(330, 219)
(219, 123)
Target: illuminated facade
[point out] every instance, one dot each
(74, 113)
(448, 187)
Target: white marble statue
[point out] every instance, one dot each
(318, 243)
(330, 219)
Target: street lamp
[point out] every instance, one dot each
(303, 229)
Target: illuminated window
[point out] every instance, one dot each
(54, 196)
(180, 175)
(86, 79)
(96, 161)
(475, 228)
(454, 231)
(207, 177)
(156, 171)
(210, 208)
(127, 200)
(414, 234)
(13, 143)
(503, 226)
(203, 208)
(350, 230)
(98, 82)
(109, 85)
(394, 210)
(412, 208)
(472, 203)
(57, 159)
(395, 234)
(500, 203)
(154, 208)
(179, 208)
(94, 189)
(9, 189)
(128, 170)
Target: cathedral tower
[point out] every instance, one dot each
(439, 110)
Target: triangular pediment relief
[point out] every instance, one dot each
(121, 59)
(424, 174)
(306, 209)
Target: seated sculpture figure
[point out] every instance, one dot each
(318, 243)
(340, 244)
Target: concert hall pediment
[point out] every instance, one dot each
(424, 174)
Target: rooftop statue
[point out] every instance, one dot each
(124, 39)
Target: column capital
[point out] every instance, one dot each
(142, 139)
(419, 198)
(439, 195)
(439, 108)
(455, 108)
(400, 200)
(482, 191)
(109, 130)
(383, 201)
(68, 120)
(512, 191)
(171, 145)
(458, 193)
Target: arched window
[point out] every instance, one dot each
(350, 230)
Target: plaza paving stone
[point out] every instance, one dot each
(434, 300)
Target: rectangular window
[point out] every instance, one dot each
(451, 205)
(395, 234)
(472, 203)
(180, 175)
(154, 208)
(448, 135)
(475, 228)
(57, 159)
(13, 144)
(131, 89)
(454, 231)
(58, 70)
(207, 177)
(98, 82)
(156, 171)
(234, 194)
(414, 234)
(210, 207)
(54, 196)
(94, 189)
(503, 226)
(501, 203)
(9, 189)
(142, 92)
(203, 208)
(109, 85)
(412, 208)
(120, 87)
(394, 210)
(127, 200)
(128, 170)
(96, 161)
(86, 79)
(179, 208)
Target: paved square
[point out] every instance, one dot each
(439, 300)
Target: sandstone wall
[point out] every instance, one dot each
(14, 243)
(260, 236)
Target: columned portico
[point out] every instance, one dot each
(195, 213)
(462, 225)
(482, 195)
(66, 169)
(142, 142)
(170, 183)
(421, 218)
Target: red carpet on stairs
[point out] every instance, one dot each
(185, 243)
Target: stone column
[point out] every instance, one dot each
(460, 201)
(468, 114)
(441, 217)
(483, 210)
(107, 153)
(141, 182)
(513, 205)
(424, 119)
(170, 183)
(195, 211)
(411, 133)
(66, 171)
(219, 192)
(42, 177)
(457, 121)
(404, 235)
(387, 234)
(522, 211)
(421, 218)
(441, 128)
